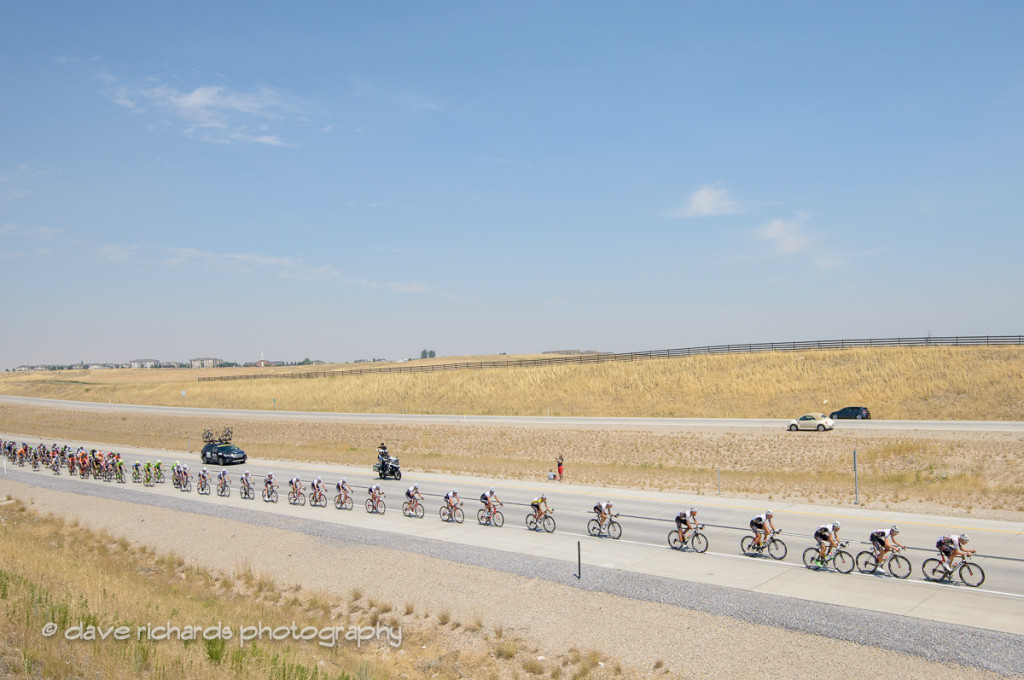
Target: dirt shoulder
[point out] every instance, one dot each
(549, 617)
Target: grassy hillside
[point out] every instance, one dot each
(956, 383)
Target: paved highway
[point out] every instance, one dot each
(646, 519)
(534, 421)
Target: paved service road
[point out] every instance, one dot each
(646, 520)
(523, 421)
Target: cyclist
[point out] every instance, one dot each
(603, 510)
(246, 480)
(757, 526)
(952, 546)
(204, 476)
(296, 485)
(222, 479)
(147, 471)
(883, 540)
(344, 488)
(827, 536)
(536, 504)
(413, 495)
(158, 469)
(490, 501)
(689, 519)
(376, 493)
(452, 499)
(269, 482)
(136, 470)
(317, 487)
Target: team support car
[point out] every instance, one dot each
(851, 413)
(812, 421)
(223, 453)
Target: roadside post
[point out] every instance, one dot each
(856, 485)
(579, 562)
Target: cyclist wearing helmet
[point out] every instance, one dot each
(413, 495)
(884, 540)
(246, 479)
(344, 488)
(223, 479)
(452, 499)
(757, 526)
(490, 500)
(536, 504)
(317, 487)
(952, 546)
(603, 510)
(204, 476)
(687, 519)
(827, 536)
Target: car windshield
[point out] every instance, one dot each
(226, 447)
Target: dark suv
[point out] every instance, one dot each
(851, 413)
(223, 453)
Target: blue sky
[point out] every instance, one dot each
(345, 180)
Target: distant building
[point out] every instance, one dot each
(143, 363)
(263, 363)
(204, 362)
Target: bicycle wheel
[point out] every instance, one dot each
(497, 519)
(810, 555)
(747, 545)
(699, 542)
(187, 486)
(777, 549)
(405, 509)
(843, 562)
(381, 508)
(481, 516)
(549, 524)
(458, 515)
(531, 522)
(369, 505)
(594, 527)
(444, 513)
(899, 566)
(673, 540)
(866, 562)
(932, 569)
(972, 574)
(247, 493)
(615, 530)
(159, 478)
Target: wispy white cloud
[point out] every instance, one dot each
(211, 113)
(408, 100)
(394, 286)
(708, 201)
(786, 236)
(793, 238)
(29, 232)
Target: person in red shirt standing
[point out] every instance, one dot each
(560, 461)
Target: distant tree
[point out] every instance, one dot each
(424, 354)
(305, 362)
(432, 354)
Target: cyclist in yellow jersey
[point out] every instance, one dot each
(538, 511)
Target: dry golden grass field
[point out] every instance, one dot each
(977, 473)
(65, 579)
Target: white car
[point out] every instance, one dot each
(812, 421)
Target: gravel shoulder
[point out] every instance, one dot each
(693, 629)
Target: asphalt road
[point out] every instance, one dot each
(646, 518)
(535, 421)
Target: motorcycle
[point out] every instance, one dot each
(388, 467)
